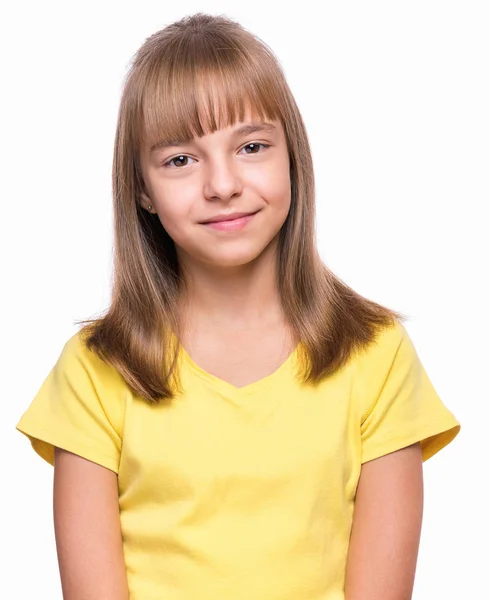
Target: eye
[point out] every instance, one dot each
(180, 157)
(254, 146)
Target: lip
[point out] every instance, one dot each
(228, 217)
(231, 225)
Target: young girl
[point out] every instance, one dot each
(240, 424)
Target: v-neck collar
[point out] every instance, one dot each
(228, 389)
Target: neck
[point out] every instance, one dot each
(233, 298)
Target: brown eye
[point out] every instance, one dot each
(254, 147)
(181, 158)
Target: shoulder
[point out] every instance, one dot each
(82, 376)
(390, 357)
(77, 357)
(386, 345)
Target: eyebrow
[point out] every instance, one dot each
(240, 131)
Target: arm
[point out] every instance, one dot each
(386, 527)
(87, 529)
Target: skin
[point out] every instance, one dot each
(386, 528)
(231, 274)
(87, 529)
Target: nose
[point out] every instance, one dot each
(222, 179)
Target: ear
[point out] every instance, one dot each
(145, 201)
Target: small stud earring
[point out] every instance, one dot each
(149, 207)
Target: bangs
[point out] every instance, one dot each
(188, 100)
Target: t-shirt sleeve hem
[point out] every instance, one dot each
(433, 438)
(44, 441)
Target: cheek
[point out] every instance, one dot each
(278, 190)
(174, 211)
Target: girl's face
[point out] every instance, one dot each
(239, 169)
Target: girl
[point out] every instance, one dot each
(240, 424)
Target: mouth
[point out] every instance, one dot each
(231, 224)
(230, 217)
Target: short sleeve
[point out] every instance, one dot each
(79, 407)
(401, 406)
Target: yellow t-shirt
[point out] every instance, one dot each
(242, 493)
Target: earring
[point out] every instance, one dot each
(149, 207)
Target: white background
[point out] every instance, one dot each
(395, 97)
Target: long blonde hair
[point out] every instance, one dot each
(173, 80)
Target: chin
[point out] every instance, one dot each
(227, 258)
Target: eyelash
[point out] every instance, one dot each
(167, 163)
